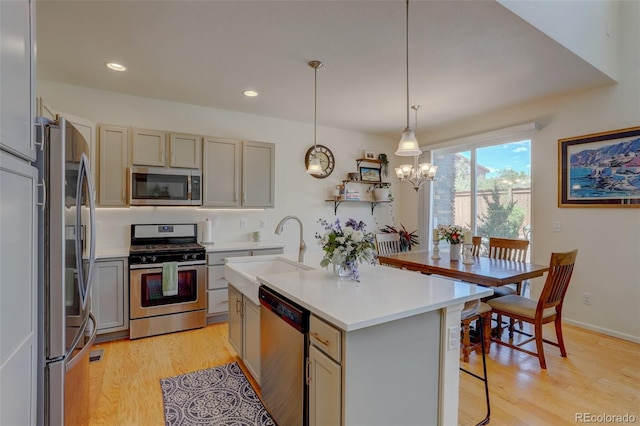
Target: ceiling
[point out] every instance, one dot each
(465, 57)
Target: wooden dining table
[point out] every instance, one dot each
(486, 271)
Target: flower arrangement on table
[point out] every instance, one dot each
(346, 246)
(451, 233)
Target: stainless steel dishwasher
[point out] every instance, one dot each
(284, 327)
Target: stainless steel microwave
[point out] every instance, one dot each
(157, 186)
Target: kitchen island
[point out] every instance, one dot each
(398, 350)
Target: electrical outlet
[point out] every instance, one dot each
(243, 223)
(453, 335)
(557, 227)
(586, 298)
(263, 223)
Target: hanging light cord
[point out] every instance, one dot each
(315, 107)
(315, 65)
(407, 58)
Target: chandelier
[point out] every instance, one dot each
(416, 174)
(408, 145)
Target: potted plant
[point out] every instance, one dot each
(385, 164)
(407, 239)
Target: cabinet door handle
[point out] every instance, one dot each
(319, 339)
(307, 371)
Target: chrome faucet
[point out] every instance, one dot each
(303, 246)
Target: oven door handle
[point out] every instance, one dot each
(159, 265)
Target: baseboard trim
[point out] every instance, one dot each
(602, 330)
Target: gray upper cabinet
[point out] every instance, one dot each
(185, 151)
(148, 147)
(238, 174)
(258, 174)
(221, 164)
(16, 79)
(112, 171)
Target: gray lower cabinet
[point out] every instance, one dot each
(244, 330)
(244, 320)
(110, 295)
(217, 295)
(235, 319)
(325, 374)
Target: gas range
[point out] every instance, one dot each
(164, 297)
(165, 243)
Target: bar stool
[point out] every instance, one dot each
(471, 310)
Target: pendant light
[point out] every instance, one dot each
(314, 164)
(417, 174)
(408, 145)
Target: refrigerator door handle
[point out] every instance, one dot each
(43, 204)
(87, 347)
(84, 283)
(92, 226)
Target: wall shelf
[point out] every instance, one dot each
(367, 182)
(336, 203)
(374, 184)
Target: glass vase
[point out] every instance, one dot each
(346, 269)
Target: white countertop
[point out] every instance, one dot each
(383, 294)
(107, 253)
(112, 252)
(248, 245)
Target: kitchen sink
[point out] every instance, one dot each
(242, 272)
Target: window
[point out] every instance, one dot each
(484, 187)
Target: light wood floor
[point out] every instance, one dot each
(601, 375)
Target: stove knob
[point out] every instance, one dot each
(153, 258)
(185, 256)
(144, 259)
(193, 256)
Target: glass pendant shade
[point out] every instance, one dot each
(408, 145)
(314, 166)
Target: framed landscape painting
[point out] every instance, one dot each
(600, 170)
(369, 174)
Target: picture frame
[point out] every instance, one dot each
(600, 169)
(369, 155)
(370, 174)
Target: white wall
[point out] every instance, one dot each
(587, 28)
(296, 192)
(608, 239)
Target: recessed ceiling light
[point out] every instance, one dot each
(116, 67)
(250, 93)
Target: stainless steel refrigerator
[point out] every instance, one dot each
(66, 263)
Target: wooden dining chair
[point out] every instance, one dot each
(547, 309)
(387, 243)
(507, 249)
(476, 240)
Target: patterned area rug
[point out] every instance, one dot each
(215, 396)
